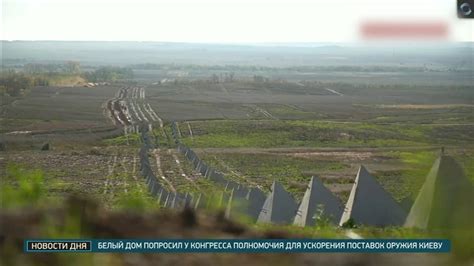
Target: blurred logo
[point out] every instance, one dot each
(405, 30)
(464, 8)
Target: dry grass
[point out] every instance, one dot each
(424, 106)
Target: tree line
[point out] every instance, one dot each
(17, 82)
(309, 68)
(109, 73)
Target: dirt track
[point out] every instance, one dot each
(128, 107)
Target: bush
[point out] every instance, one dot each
(349, 224)
(109, 74)
(28, 189)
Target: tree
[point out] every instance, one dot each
(109, 74)
(214, 78)
(73, 67)
(16, 83)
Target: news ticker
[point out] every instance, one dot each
(239, 245)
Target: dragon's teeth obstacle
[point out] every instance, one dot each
(200, 202)
(445, 199)
(369, 204)
(279, 207)
(318, 202)
(256, 199)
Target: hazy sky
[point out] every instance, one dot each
(217, 21)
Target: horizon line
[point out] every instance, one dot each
(243, 42)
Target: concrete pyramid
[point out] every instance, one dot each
(243, 188)
(369, 204)
(155, 187)
(174, 200)
(178, 201)
(230, 186)
(237, 202)
(203, 169)
(232, 203)
(318, 200)
(240, 191)
(208, 171)
(188, 200)
(223, 199)
(200, 202)
(169, 199)
(279, 207)
(255, 198)
(445, 199)
(162, 196)
(218, 178)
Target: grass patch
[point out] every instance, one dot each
(293, 173)
(135, 200)
(308, 133)
(26, 189)
(418, 165)
(132, 139)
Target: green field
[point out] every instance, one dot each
(315, 133)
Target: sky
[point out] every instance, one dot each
(219, 21)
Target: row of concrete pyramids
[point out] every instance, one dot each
(368, 204)
(280, 207)
(445, 201)
(172, 199)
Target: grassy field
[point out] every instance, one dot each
(400, 173)
(246, 99)
(254, 132)
(60, 104)
(63, 116)
(257, 152)
(232, 124)
(94, 174)
(316, 133)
